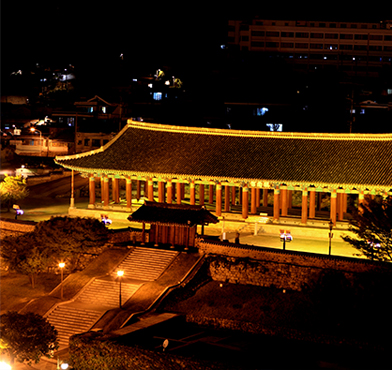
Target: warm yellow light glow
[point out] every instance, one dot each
(120, 273)
(4, 366)
(61, 265)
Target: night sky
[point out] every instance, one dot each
(92, 32)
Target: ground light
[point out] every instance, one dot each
(285, 237)
(120, 274)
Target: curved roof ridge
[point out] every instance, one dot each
(261, 134)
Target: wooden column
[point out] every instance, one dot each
(218, 205)
(161, 191)
(115, 191)
(192, 193)
(150, 190)
(128, 192)
(91, 190)
(227, 198)
(106, 191)
(361, 200)
(333, 207)
(178, 192)
(102, 187)
(258, 204)
(276, 204)
(233, 195)
(283, 197)
(201, 194)
(138, 189)
(245, 202)
(265, 197)
(169, 191)
(211, 194)
(289, 199)
(312, 204)
(304, 211)
(340, 205)
(253, 202)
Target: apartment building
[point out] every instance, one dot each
(354, 48)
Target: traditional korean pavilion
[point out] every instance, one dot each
(238, 163)
(174, 224)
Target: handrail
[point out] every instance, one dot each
(165, 291)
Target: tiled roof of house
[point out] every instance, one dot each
(152, 150)
(173, 214)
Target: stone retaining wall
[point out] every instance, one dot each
(268, 267)
(11, 227)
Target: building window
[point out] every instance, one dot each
(86, 142)
(316, 46)
(302, 34)
(286, 45)
(244, 38)
(375, 37)
(272, 34)
(157, 96)
(331, 46)
(361, 37)
(96, 142)
(258, 33)
(287, 34)
(346, 36)
(331, 35)
(272, 44)
(346, 47)
(257, 44)
(301, 45)
(316, 35)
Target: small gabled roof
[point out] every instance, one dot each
(173, 214)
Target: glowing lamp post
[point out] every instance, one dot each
(120, 274)
(285, 237)
(330, 236)
(33, 129)
(61, 265)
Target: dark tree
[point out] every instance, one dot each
(68, 238)
(27, 337)
(372, 224)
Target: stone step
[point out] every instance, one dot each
(106, 293)
(146, 264)
(69, 321)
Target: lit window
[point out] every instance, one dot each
(261, 111)
(157, 96)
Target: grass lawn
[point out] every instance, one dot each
(16, 290)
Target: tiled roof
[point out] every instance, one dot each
(173, 214)
(152, 150)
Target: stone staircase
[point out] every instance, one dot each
(70, 320)
(105, 293)
(146, 264)
(78, 316)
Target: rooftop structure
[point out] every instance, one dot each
(243, 160)
(355, 48)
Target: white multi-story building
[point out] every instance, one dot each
(354, 48)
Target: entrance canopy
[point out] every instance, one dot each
(173, 214)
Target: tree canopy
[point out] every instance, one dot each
(12, 189)
(27, 337)
(58, 239)
(372, 224)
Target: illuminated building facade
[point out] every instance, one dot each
(352, 47)
(227, 167)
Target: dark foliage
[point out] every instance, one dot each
(372, 224)
(27, 337)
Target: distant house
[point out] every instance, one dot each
(95, 112)
(39, 146)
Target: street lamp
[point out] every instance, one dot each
(285, 237)
(61, 265)
(33, 129)
(5, 366)
(120, 274)
(330, 235)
